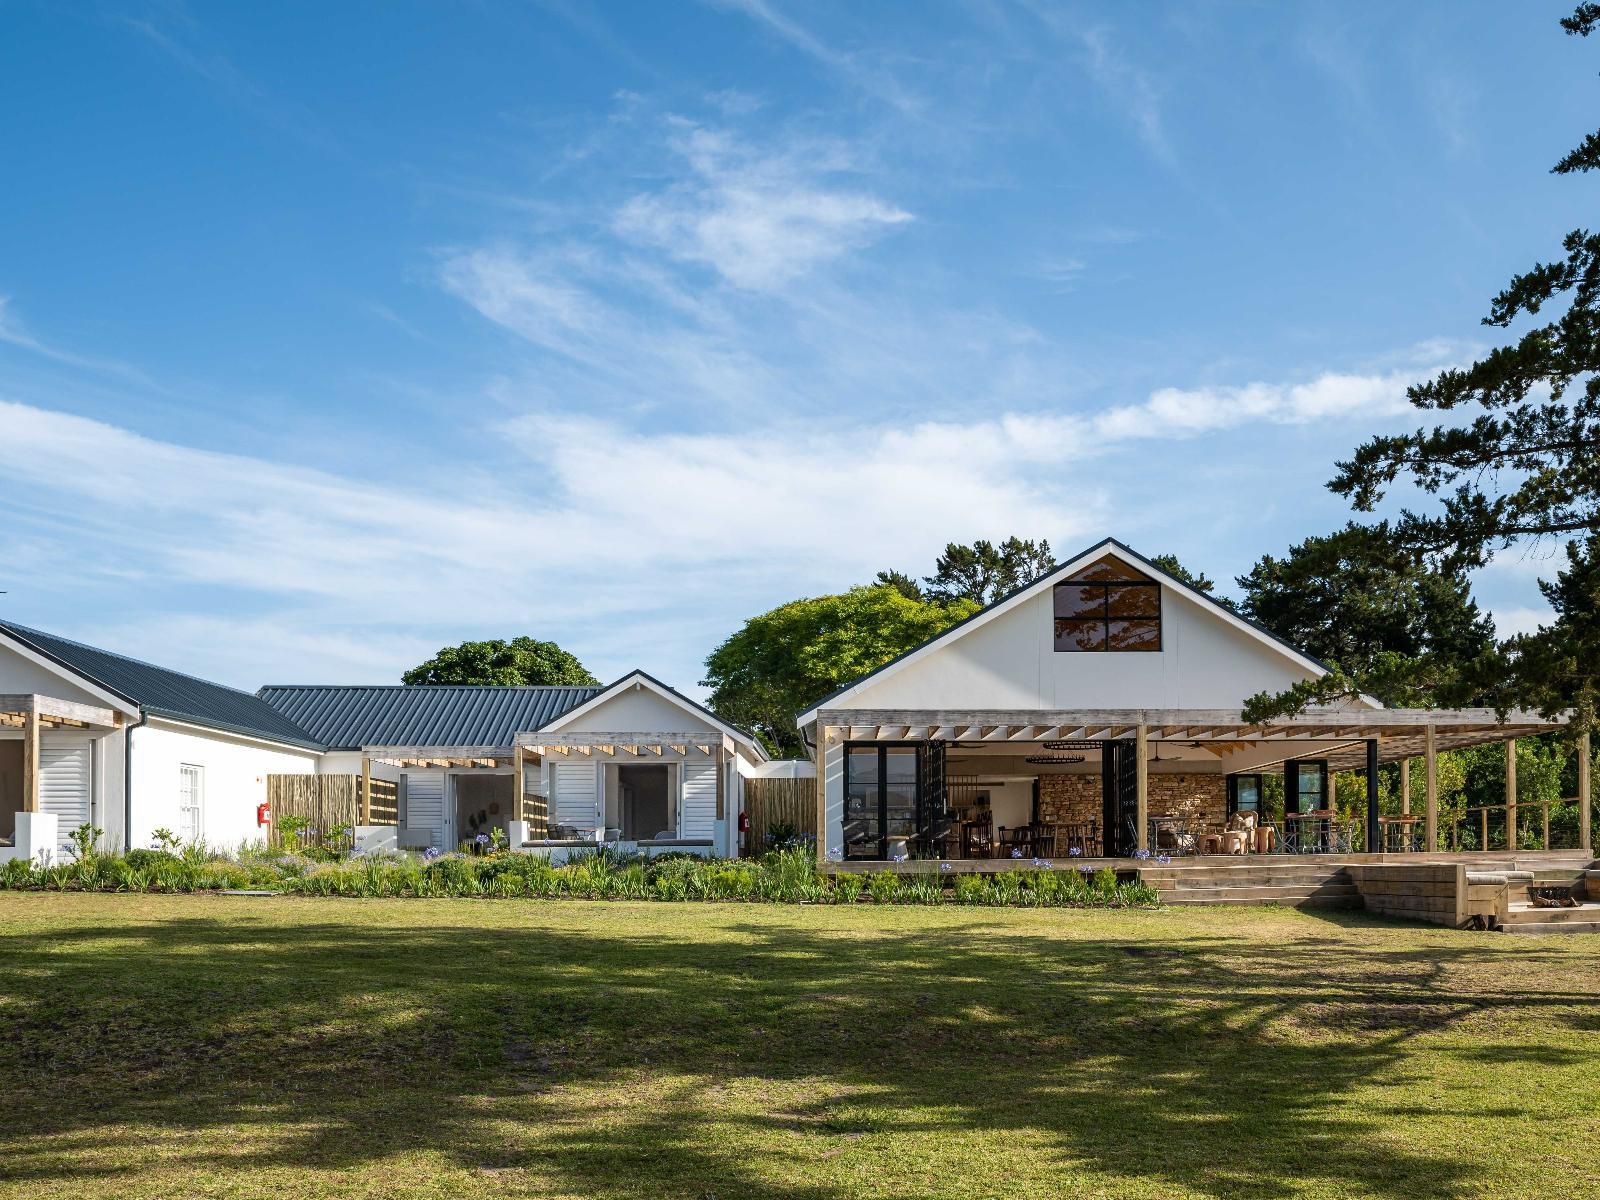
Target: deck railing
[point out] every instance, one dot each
(1510, 837)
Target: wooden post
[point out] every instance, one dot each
(1405, 787)
(30, 761)
(1546, 807)
(1584, 834)
(1483, 828)
(1511, 795)
(366, 791)
(1430, 810)
(1374, 828)
(518, 785)
(822, 793)
(1141, 778)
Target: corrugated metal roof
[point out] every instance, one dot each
(347, 718)
(164, 693)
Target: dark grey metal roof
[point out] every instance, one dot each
(347, 718)
(163, 693)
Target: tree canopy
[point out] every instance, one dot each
(1389, 620)
(1195, 579)
(780, 663)
(983, 571)
(522, 660)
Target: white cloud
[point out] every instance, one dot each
(759, 220)
(1183, 412)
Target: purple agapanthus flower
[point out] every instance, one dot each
(1016, 854)
(431, 853)
(1163, 858)
(1141, 854)
(944, 866)
(1075, 851)
(482, 839)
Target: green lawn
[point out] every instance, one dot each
(172, 1046)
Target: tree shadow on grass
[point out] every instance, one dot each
(609, 1062)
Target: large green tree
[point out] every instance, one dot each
(522, 660)
(780, 663)
(1558, 665)
(1511, 448)
(1390, 620)
(983, 571)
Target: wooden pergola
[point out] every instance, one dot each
(33, 713)
(1346, 738)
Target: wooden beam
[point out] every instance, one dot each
(30, 761)
(1585, 835)
(1405, 787)
(1430, 810)
(1141, 775)
(366, 791)
(1511, 794)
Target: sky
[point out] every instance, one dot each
(334, 334)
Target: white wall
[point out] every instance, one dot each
(21, 675)
(235, 774)
(638, 709)
(348, 762)
(1011, 663)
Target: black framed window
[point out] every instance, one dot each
(1108, 607)
(1244, 794)
(882, 797)
(1305, 785)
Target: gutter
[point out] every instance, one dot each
(127, 778)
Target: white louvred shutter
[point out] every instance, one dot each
(697, 816)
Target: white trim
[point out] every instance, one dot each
(1107, 547)
(640, 679)
(212, 731)
(82, 682)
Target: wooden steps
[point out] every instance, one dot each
(1526, 919)
(1292, 882)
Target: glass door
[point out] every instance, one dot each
(900, 797)
(863, 799)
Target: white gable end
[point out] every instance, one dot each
(1005, 658)
(20, 675)
(637, 710)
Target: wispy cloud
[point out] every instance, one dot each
(14, 333)
(856, 68)
(759, 220)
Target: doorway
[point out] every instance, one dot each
(10, 787)
(645, 797)
(483, 803)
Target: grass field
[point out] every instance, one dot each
(169, 1046)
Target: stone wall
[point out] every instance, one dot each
(1203, 799)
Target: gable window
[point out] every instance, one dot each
(1108, 606)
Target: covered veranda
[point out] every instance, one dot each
(910, 784)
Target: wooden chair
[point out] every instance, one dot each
(977, 837)
(1044, 841)
(1014, 842)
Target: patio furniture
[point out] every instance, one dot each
(1313, 830)
(1014, 842)
(1398, 834)
(1044, 840)
(977, 837)
(1236, 841)
(1266, 839)
(1082, 836)
(1170, 834)
(1210, 843)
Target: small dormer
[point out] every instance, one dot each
(1107, 607)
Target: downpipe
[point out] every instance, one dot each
(127, 778)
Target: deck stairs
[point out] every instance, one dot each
(1294, 882)
(1523, 917)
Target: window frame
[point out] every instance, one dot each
(1105, 620)
(197, 772)
(918, 798)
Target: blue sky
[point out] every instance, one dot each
(335, 333)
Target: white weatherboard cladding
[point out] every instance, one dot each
(425, 803)
(1010, 662)
(65, 782)
(577, 794)
(697, 812)
(638, 710)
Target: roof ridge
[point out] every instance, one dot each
(428, 687)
